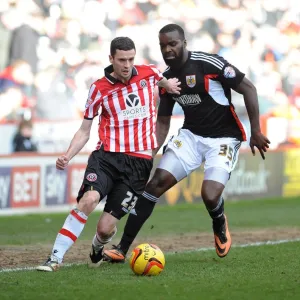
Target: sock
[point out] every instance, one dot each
(217, 214)
(143, 208)
(99, 242)
(69, 233)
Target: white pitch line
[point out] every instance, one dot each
(256, 244)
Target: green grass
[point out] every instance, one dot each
(264, 272)
(179, 219)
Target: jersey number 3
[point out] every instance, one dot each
(226, 151)
(129, 202)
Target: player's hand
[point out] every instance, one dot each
(259, 141)
(62, 162)
(173, 86)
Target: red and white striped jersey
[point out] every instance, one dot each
(127, 116)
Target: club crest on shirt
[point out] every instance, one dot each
(190, 80)
(91, 177)
(177, 143)
(229, 72)
(143, 83)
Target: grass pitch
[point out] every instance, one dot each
(254, 272)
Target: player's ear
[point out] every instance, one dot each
(184, 43)
(111, 59)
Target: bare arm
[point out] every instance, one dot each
(79, 140)
(248, 90)
(162, 129)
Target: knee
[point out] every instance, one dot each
(154, 183)
(211, 194)
(209, 198)
(88, 202)
(106, 232)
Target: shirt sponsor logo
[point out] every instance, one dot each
(193, 99)
(134, 109)
(132, 100)
(190, 80)
(229, 72)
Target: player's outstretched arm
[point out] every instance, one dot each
(79, 140)
(171, 85)
(258, 140)
(162, 129)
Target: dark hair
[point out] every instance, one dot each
(121, 43)
(173, 27)
(25, 123)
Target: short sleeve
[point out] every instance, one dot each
(93, 102)
(226, 73)
(231, 76)
(157, 74)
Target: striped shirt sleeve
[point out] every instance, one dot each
(157, 74)
(93, 102)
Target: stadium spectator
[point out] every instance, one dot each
(15, 90)
(265, 32)
(22, 141)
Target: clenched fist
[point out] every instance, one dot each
(62, 162)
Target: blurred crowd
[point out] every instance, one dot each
(52, 50)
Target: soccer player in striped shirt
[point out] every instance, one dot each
(120, 166)
(211, 133)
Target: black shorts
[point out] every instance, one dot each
(118, 176)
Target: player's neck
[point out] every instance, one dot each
(122, 79)
(184, 58)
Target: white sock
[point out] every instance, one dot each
(69, 233)
(99, 242)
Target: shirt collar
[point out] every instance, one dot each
(108, 70)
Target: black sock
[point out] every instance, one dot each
(143, 209)
(217, 214)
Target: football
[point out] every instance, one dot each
(147, 259)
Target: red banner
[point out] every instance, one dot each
(25, 186)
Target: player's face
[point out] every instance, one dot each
(122, 63)
(172, 48)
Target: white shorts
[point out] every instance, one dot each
(186, 152)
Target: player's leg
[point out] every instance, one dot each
(142, 211)
(105, 231)
(94, 188)
(119, 202)
(177, 162)
(221, 159)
